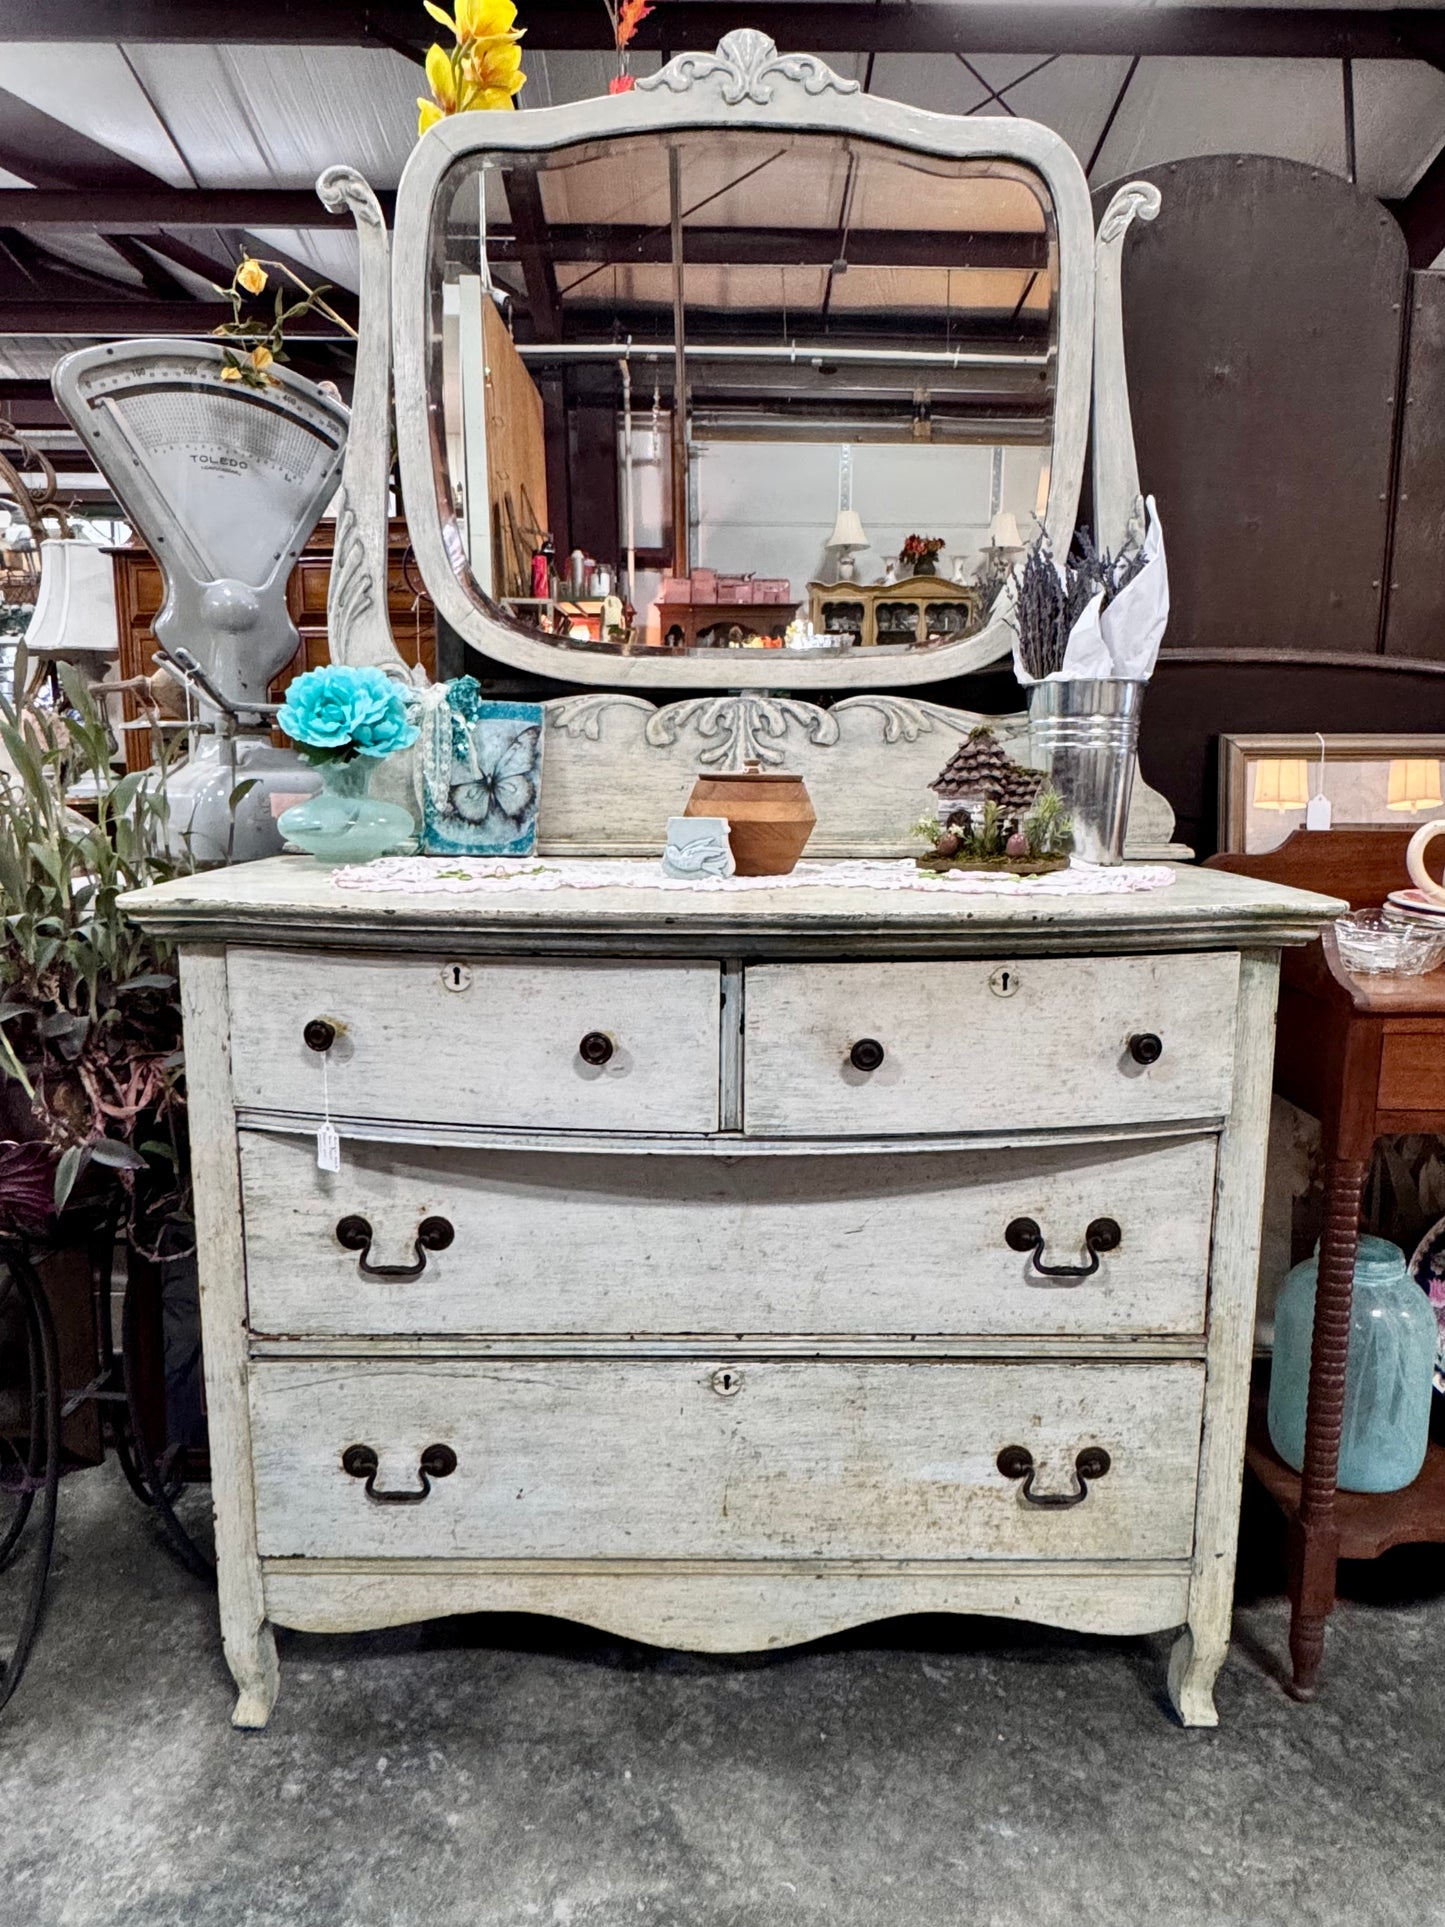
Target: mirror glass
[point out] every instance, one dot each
(710, 390)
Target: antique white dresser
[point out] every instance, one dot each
(726, 1270)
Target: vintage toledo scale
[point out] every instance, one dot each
(225, 482)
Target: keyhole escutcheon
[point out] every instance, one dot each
(727, 1381)
(1004, 981)
(456, 976)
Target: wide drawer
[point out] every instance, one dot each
(480, 1043)
(999, 1045)
(659, 1459)
(554, 1243)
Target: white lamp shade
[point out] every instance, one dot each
(75, 606)
(1281, 783)
(1414, 784)
(848, 531)
(1003, 531)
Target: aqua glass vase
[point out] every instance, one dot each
(341, 823)
(1388, 1374)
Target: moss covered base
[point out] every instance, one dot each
(1019, 866)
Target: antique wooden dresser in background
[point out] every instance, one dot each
(726, 1270)
(139, 591)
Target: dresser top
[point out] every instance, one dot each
(292, 903)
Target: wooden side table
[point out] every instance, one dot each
(1366, 1056)
(695, 618)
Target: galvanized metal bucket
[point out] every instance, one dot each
(1085, 734)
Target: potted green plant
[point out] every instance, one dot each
(91, 1072)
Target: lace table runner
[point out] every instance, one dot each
(453, 876)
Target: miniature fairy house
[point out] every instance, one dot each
(979, 773)
(993, 814)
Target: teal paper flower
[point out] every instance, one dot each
(340, 713)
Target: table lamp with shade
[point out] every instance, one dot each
(847, 538)
(1003, 535)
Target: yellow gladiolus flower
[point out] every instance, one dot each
(428, 114)
(251, 276)
(230, 372)
(493, 70)
(441, 79)
(261, 357)
(485, 19)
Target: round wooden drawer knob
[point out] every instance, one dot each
(319, 1035)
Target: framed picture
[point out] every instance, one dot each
(1371, 782)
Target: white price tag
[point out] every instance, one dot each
(1318, 813)
(328, 1148)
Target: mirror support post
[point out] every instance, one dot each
(358, 626)
(1118, 505)
(681, 533)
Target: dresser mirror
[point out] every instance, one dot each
(787, 326)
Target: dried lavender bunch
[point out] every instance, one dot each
(1102, 570)
(1043, 612)
(1050, 603)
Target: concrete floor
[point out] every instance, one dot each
(925, 1773)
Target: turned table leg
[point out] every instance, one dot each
(1314, 1537)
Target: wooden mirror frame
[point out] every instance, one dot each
(748, 84)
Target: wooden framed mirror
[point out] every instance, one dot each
(814, 315)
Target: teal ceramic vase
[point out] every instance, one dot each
(341, 823)
(1388, 1377)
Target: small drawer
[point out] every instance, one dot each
(544, 1046)
(1106, 1240)
(655, 1459)
(1023, 1044)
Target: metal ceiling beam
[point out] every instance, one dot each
(112, 319)
(209, 267)
(155, 205)
(790, 247)
(156, 277)
(185, 208)
(35, 147)
(524, 198)
(893, 26)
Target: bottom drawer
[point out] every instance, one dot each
(689, 1459)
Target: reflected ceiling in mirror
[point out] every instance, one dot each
(740, 368)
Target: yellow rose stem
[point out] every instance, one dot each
(323, 307)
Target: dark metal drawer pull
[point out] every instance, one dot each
(1145, 1047)
(596, 1048)
(361, 1462)
(1023, 1234)
(319, 1035)
(866, 1055)
(1017, 1462)
(432, 1234)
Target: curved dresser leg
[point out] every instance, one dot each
(256, 1671)
(1194, 1664)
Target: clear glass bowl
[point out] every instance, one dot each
(1370, 943)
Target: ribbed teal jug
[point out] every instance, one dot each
(1388, 1384)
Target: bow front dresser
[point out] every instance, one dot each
(727, 1269)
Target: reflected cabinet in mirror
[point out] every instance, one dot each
(741, 379)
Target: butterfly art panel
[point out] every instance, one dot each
(482, 773)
